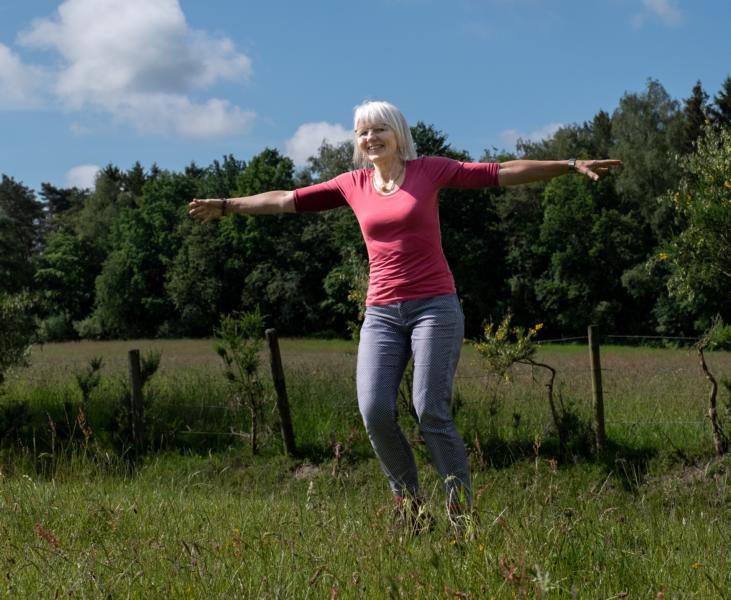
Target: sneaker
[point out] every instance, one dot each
(462, 522)
(411, 516)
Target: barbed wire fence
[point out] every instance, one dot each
(609, 374)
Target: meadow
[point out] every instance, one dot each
(649, 517)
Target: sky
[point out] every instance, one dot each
(86, 83)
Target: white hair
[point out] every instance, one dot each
(373, 112)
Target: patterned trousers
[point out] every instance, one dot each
(432, 330)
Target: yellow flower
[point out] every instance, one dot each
(727, 185)
(663, 256)
(696, 565)
(538, 327)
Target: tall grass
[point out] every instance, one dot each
(220, 527)
(206, 519)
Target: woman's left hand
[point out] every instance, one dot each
(593, 168)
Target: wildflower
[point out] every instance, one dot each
(47, 535)
(727, 184)
(663, 255)
(535, 329)
(696, 565)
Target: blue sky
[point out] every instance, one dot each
(84, 83)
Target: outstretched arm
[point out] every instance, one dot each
(267, 203)
(515, 172)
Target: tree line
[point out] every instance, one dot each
(645, 250)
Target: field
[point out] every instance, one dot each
(200, 516)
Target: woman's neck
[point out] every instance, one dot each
(390, 170)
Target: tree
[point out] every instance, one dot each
(589, 244)
(61, 200)
(720, 110)
(16, 330)
(195, 279)
(694, 117)
(699, 255)
(64, 277)
(329, 162)
(277, 262)
(131, 298)
(239, 343)
(20, 218)
(647, 130)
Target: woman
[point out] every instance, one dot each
(411, 307)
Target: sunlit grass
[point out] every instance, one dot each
(222, 527)
(209, 520)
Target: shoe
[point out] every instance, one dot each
(462, 522)
(411, 516)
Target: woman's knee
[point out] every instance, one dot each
(376, 416)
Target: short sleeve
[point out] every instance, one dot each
(449, 173)
(319, 197)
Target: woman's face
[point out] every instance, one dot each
(377, 141)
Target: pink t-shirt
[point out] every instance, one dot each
(401, 230)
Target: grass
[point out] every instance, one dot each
(205, 518)
(220, 527)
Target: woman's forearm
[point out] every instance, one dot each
(515, 172)
(266, 203)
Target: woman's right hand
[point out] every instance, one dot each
(207, 210)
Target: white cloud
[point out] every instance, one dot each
(137, 60)
(511, 136)
(20, 85)
(309, 137)
(667, 11)
(82, 176)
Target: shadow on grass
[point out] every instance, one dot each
(630, 464)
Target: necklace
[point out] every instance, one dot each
(384, 187)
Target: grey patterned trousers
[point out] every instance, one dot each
(432, 329)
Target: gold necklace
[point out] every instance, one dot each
(384, 187)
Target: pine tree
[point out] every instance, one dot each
(694, 117)
(720, 110)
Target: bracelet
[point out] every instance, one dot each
(224, 202)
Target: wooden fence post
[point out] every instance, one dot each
(596, 387)
(285, 419)
(135, 405)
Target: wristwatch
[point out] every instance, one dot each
(572, 165)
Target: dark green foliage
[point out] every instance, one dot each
(21, 226)
(88, 379)
(695, 111)
(125, 260)
(720, 110)
(16, 330)
(239, 343)
(699, 255)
